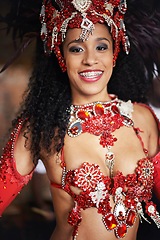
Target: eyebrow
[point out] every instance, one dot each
(81, 41)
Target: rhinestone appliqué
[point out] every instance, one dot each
(81, 5)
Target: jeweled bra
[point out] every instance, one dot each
(128, 192)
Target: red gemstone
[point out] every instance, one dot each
(110, 221)
(121, 231)
(99, 109)
(83, 114)
(131, 218)
(43, 36)
(74, 130)
(115, 109)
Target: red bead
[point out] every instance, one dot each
(131, 218)
(110, 221)
(115, 109)
(83, 114)
(121, 231)
(74, 130)
(99, 109)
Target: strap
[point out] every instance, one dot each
(137, 131)
(63, 164)
(56, 185)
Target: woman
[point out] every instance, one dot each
(100, 152)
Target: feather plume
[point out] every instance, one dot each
(23, 21)
(25, 43)
(143, 28)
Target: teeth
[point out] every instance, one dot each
(91, 74)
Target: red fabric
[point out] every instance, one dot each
(11, 182)
(56, 185)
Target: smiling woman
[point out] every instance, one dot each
(89, 64)
(101, 151)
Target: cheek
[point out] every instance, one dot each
(108, 63)
(107, 58)
(72, 64)
(71, 70)
(68, 65)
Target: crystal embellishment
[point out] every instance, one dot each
(126, 108)
(110, 221)
(121, 231)
(75, 129)
(87, 28)
(99, 194)
(131, 217)
(81, 5)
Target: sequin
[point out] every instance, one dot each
(11, 182)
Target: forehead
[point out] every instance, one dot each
(100, 31)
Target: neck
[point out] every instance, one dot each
(88, 100)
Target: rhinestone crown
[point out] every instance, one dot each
(82, 14)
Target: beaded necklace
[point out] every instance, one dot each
(101, 119)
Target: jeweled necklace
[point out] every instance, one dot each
(101, 119)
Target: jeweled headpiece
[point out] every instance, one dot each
(82, 14)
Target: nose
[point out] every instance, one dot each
(90, 58)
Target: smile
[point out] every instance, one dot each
(91, 74)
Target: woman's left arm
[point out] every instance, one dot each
(152, 128)
(154, 149)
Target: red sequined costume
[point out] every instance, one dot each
(128, 192)
(96, 192)
(96, 188)
(11, 182)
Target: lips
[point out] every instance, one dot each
(91, 76)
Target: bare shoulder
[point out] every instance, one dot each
(144, 119)
(143, 115)
(22, 154)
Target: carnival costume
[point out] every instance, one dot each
(128, 192)
(101, 119)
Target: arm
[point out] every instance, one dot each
(14, 174)
(156, 159)
(152, 126)
(63, 203)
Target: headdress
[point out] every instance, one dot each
(142, 21)
(82, 14)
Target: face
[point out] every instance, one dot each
(89, 64)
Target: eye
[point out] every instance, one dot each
(102, 47)
(75, 49)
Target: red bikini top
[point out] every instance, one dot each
(88, 176)
(96, 188)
